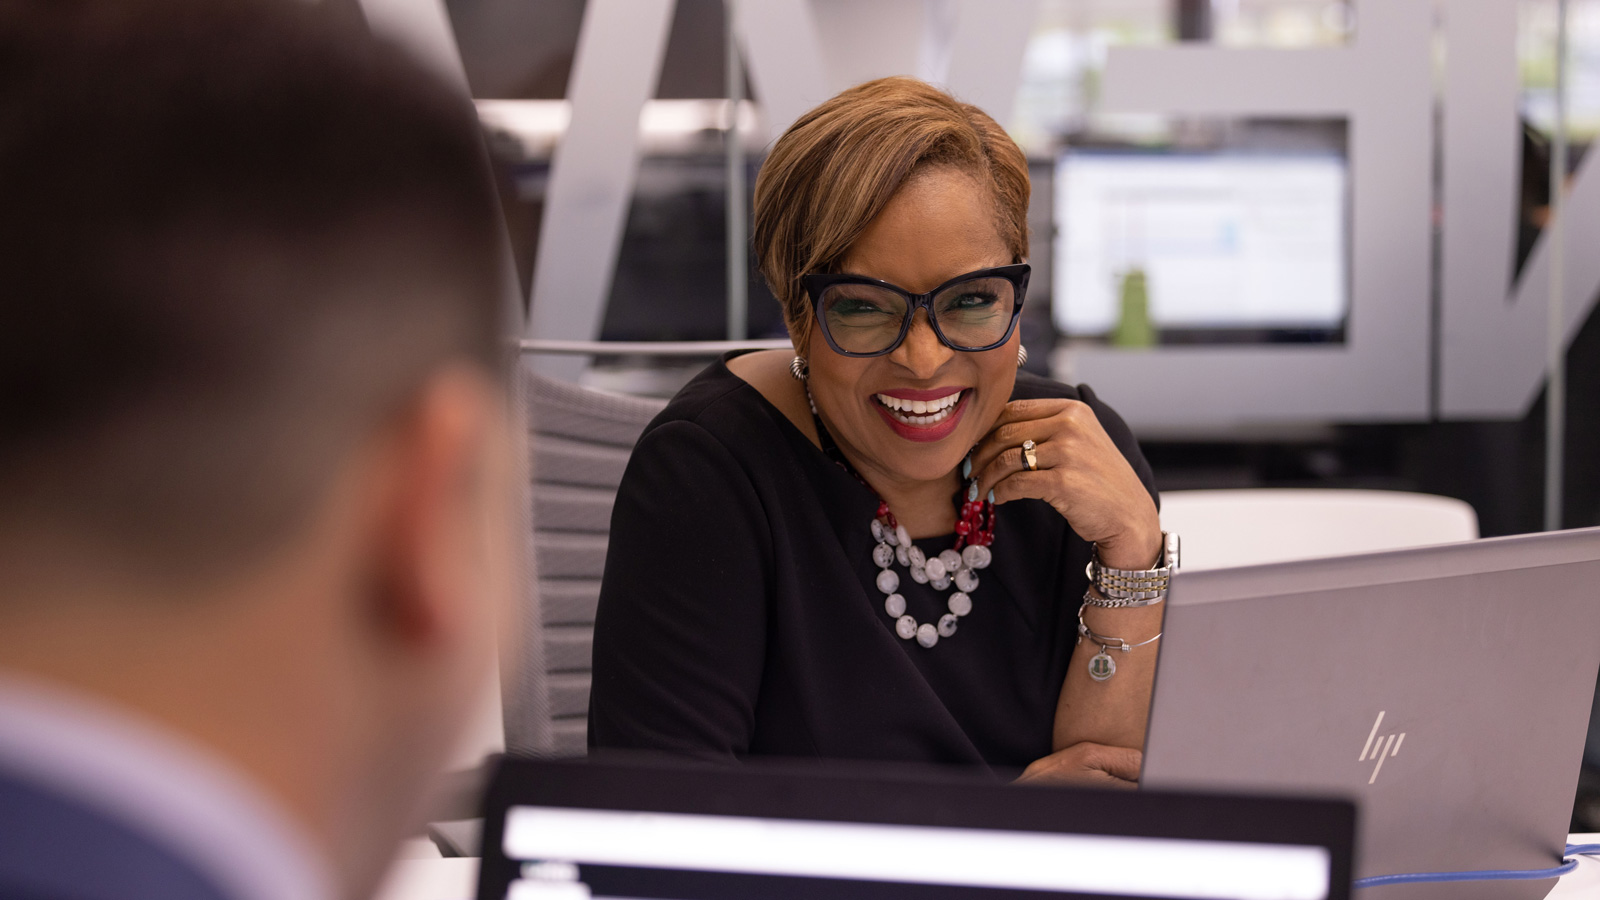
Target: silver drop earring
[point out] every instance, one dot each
(799, 369)
(1022, 356)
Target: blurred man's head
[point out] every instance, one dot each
(250, 345)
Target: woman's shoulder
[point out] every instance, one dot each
(732, 408)
(1036, 387)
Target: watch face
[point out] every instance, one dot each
(1172, 551)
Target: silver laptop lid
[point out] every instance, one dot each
(1446, 689)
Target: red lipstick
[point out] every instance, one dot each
(923, 433)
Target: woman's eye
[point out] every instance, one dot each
(972, 300)
(857, 306)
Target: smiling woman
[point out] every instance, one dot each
(799, 537)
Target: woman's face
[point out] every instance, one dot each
(940, 225)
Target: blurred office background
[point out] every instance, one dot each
(1343, 290)
(1240, 226)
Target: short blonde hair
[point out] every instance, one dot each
(836, 168)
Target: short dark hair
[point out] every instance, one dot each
(234, 237)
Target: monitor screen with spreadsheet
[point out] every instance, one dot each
(1235, 242)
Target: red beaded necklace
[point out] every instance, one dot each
(974, 525)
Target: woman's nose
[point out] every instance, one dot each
(922, 353)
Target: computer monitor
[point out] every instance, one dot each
(587, 831)
(1247, 243)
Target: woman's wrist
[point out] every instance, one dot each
(1140, 552)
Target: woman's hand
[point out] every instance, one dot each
(1081, 473)
(1087, 765)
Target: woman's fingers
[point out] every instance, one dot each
(1079, 471)
(1119, 762)
(1024, 486)
(1001, 453)
(1087, 765)
(1052, 454)
(1035, 420)
(1041, 408)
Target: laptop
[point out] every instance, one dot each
(588, 830)
(1446, 689)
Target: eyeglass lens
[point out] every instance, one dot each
(865, 318)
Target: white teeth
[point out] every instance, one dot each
(920, 412)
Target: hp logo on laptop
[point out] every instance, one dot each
(1380, 748)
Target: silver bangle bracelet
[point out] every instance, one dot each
(1101, 665)
(1107, 642)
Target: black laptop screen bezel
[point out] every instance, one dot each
(901, 795)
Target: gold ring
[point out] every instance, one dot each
(1029, 460)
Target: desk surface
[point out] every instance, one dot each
(430, 879)
(456, 879)
(1583, 881)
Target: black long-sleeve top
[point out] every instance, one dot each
(739, 613)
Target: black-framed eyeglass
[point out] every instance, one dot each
(862, 316)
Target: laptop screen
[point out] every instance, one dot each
(569, 832)
(632, 854)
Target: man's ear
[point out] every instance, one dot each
(429, 518)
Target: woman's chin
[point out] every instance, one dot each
(924, 461)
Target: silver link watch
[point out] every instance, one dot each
(1124, 588)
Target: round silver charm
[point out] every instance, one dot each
(1102, 666)
(901, 536)
(935, 568)
(941, 583)
(951, 560)
(906, 627)
(882, 556)
(888, 581)
(947, 624)
(919, 575)
(966, 581)
(918, 558)
(960, 604)
(877, 530)
(901, 554)
(894, 605)
(976, 556)
(927, 635)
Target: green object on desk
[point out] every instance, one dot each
(1133, 326)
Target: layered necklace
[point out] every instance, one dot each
(957, 567)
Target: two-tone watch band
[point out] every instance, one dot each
(1121, 588)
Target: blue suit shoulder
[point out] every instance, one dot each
(52, 847)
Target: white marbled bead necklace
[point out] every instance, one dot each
(957, 567)
(951, 568)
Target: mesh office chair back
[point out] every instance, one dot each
(580, 440)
